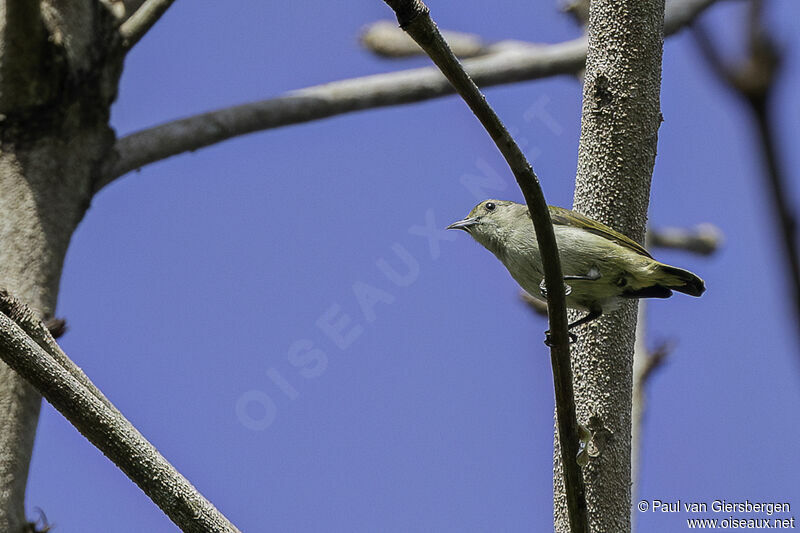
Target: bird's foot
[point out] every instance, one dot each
(543, 289)
(549, 341)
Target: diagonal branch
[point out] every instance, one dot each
(753, 80)
(777, 184)
(508, 63)
(133, 29)
(27, 347)
(415, 19)
(43, 333)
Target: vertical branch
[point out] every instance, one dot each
(619, 132)
(415, 19)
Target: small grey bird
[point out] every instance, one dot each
(601, 266)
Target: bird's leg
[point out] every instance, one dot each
(593, 314)
(592, 275)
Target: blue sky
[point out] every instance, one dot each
(194, 288)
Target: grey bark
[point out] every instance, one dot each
(60, 63)
(140, 22)
(619, 132)
(57, 82)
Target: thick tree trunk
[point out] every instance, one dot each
(45, 188)
(59, 68)
(619, 132)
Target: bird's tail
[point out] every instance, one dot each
(680, 280)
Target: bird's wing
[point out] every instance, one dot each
(565, 217)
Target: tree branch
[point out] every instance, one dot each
(385, 39)
(27, 347)
(681, 13)
(313, 103)
(710, 54)
(753, 80)
(619, 132)
(703, 239)
(415, 19)
(133, 29)
(44, 333)
(508, 63)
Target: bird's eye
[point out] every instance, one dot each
(490, 206)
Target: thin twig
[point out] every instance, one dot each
(56, 326)
(133, 29)
(322, 101)
(681, 13)
(578, 10)
(645, 363)
(534, 304)
(703, 239)
(385, 39)
(710, 53)
(506, 64)
(41, 362)
(415, 19)
(655, 359)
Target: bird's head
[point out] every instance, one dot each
(491, 221)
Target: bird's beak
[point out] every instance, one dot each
(464, 224)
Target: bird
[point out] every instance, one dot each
(601, 266)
